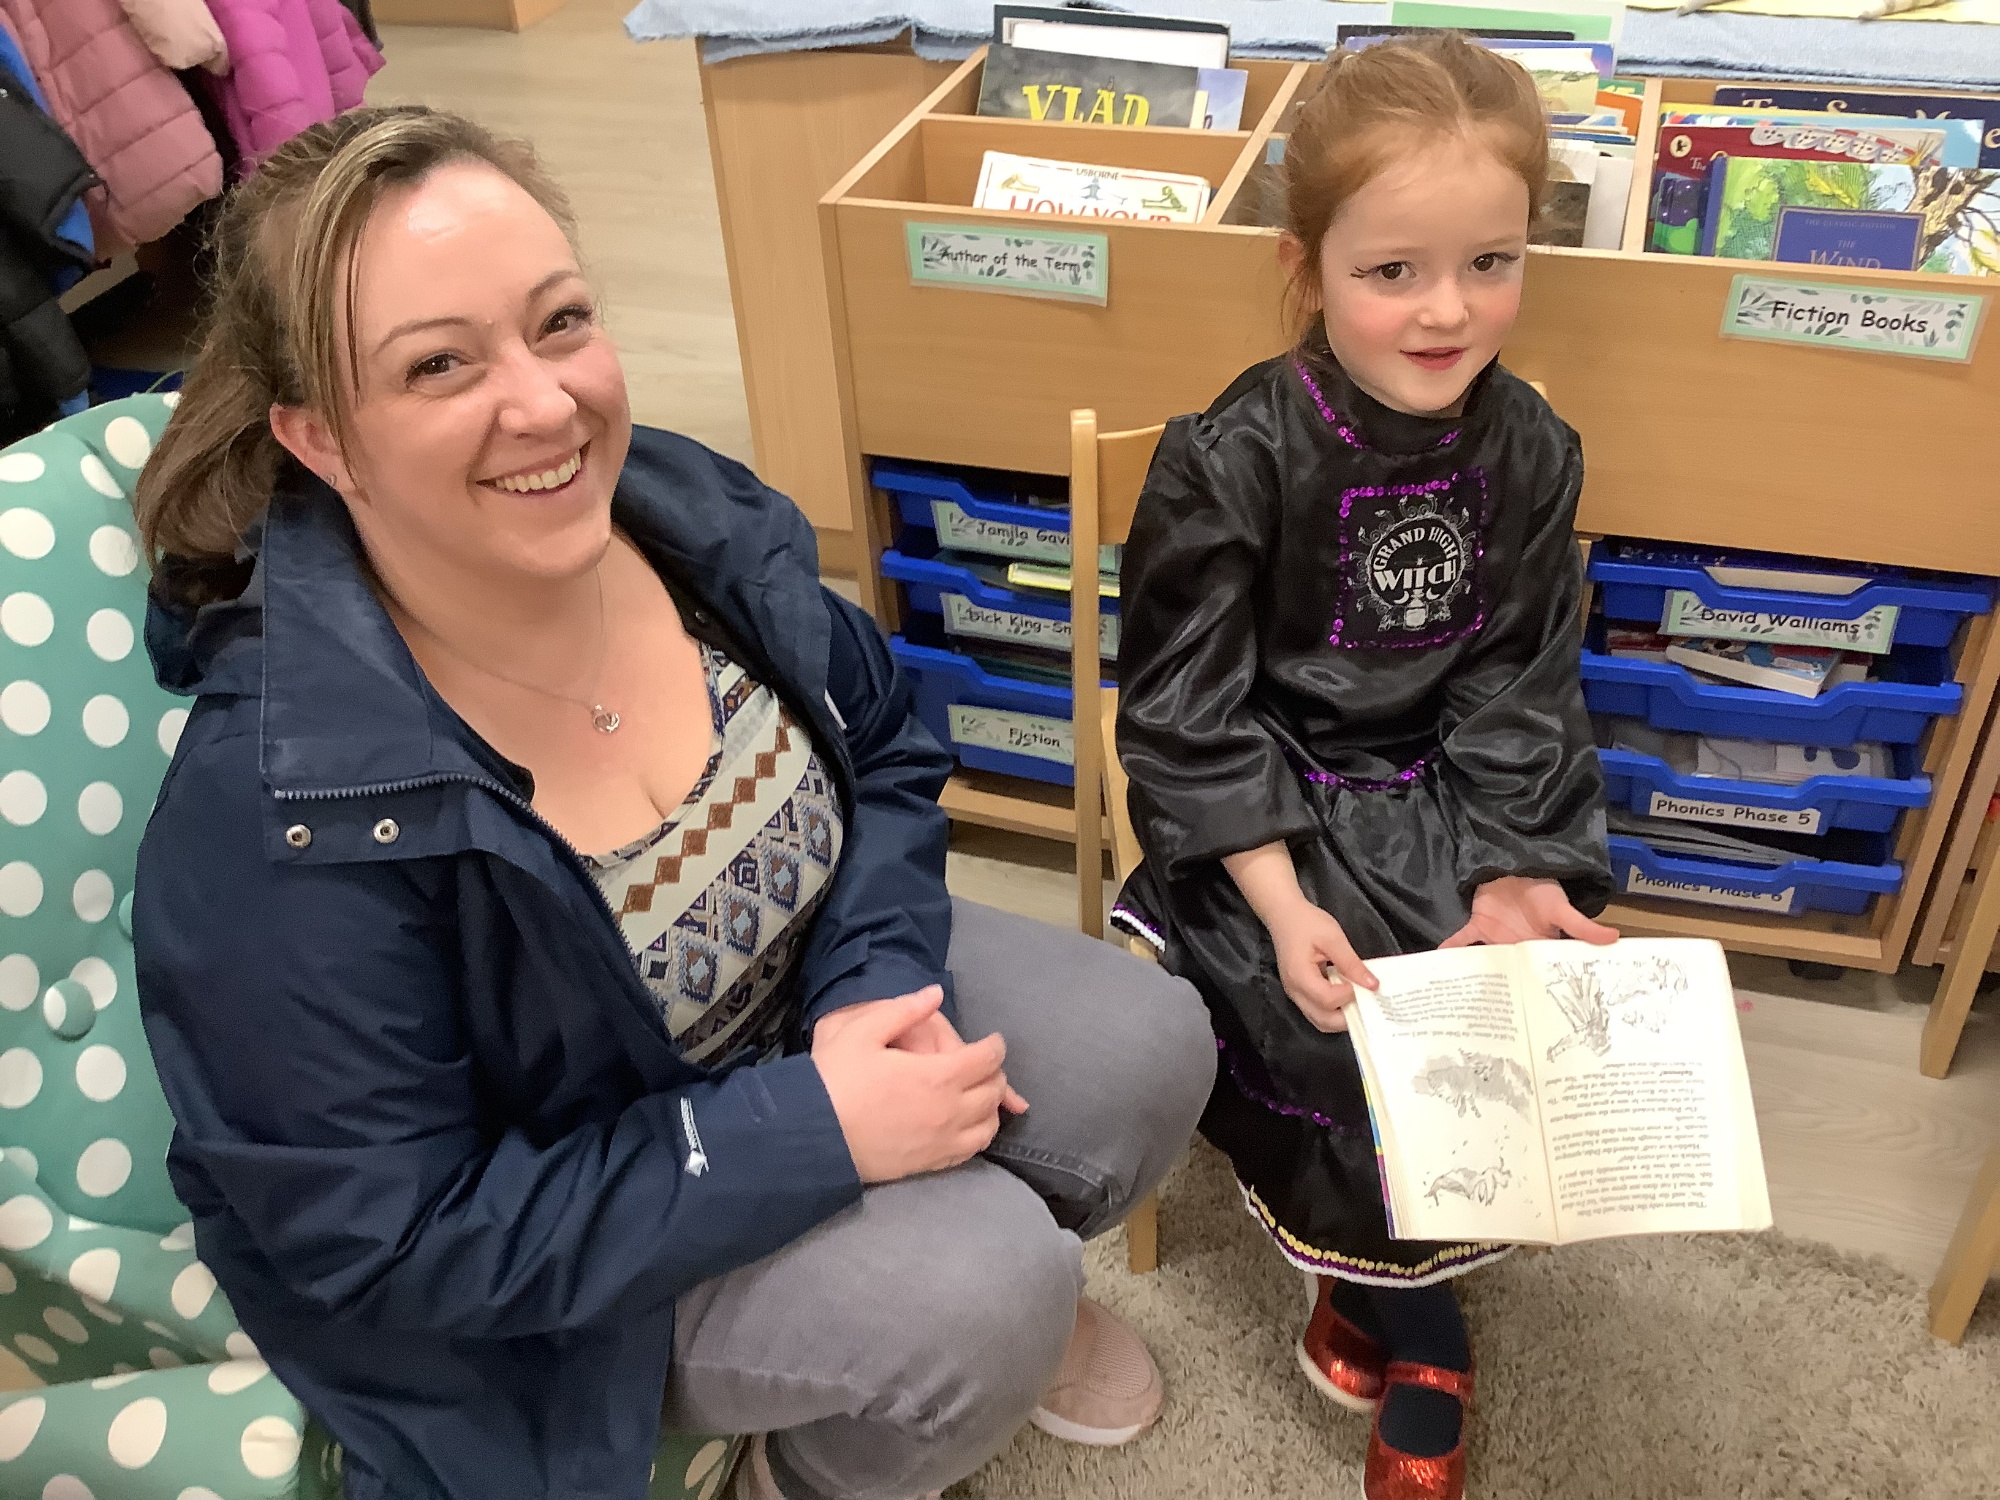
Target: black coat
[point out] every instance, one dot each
(42, 363)
(1355, 631)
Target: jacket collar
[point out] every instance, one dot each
(1359, 421)
(344, 704)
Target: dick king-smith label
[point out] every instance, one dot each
(1686, 614)
(963, 617)
(1016, 733)
(1639, 883)
(1734, 814)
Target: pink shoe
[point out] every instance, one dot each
(1108, 1390)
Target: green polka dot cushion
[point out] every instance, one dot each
(138, 1383)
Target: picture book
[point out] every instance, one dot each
(1182, 41)
(1554, 1092)
(1054, 578)
(1685, 840)
(1959, 148)
(1604, 223)
(1565, 211)
(1799, 670)
(1635, 644)
(1586, 20)
(1686, 155)
(1026, 184)
(1850, 102)
(1786, 765)
(1953, 212)
(1093, 90)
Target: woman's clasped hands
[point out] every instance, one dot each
(912, 1096)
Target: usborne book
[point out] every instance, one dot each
(1799, 670)
(1909, 106)
(1029, 185)
(1548, 1093)
(1091, 90)
(1959, 209)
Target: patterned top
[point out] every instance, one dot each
(717, 900)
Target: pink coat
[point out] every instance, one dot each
(128, 115)
(294, 63)
(180, 33)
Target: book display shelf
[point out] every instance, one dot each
(1690, 438)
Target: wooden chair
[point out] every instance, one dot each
(1973, 1256)
(1106, 473)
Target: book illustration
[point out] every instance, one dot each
(1554, 1092)
(1959, 210)
(1466, 1080)
(1026, 184)
(1029, 85)
(1479, 1185)
(1801, 671)
(1920, 108)
(1587, 991)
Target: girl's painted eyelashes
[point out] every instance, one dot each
(1494, 259)
(1390, 270)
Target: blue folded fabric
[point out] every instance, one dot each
(1930, 53)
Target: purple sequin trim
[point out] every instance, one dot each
(1334, 420)
(1347, 434)
(1405, 492)
(1404, 777)
(1257, 1096)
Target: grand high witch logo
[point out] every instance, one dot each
(1413, 566)
(1410, 563)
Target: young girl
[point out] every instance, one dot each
(1350, 708)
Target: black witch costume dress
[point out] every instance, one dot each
(1355, 631)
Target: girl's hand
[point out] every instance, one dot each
(1308, 940)
(1515, 908)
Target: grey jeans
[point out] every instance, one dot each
(895, 1348)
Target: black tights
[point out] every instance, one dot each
(1420, 1325)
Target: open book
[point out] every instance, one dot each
(1554, 1092)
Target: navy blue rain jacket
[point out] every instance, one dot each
(437, 1145)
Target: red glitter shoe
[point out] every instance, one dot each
(1392, 1475)
(1338, 1358)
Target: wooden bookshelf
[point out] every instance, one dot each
(1688, 436)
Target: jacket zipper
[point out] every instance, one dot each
(577, 863)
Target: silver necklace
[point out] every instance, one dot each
(603, 720)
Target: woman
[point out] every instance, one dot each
(542, 930)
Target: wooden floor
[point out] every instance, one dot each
(1863, 1151)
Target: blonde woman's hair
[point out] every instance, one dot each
(281, 290)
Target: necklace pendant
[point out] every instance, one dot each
(602, 719)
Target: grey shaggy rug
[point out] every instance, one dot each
(1742, 1367)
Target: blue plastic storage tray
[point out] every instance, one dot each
(1928, 611)
(1787, 890)
(1869, 803)
(954, 513)
(990, 612)
(1669, 696)
(1003, 724)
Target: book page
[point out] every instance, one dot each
(1446, 1056)
(1645, 1099)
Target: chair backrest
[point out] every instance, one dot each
(1107, 472)
(85, 738)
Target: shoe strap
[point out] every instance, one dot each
(1452, 1382)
